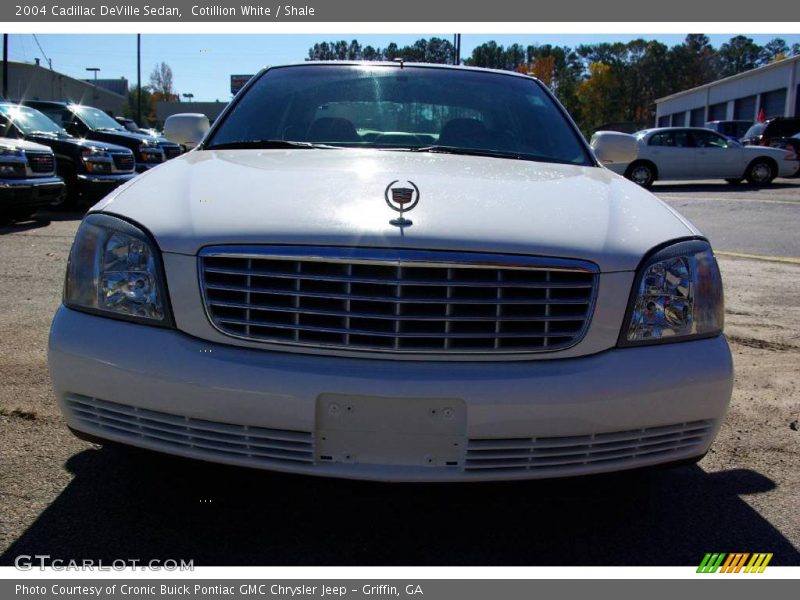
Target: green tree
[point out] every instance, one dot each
(775, 49)
(737, 55)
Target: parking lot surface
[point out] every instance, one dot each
(69, 499)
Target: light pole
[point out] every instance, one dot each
(188, 96)
(138, 77)
(94, 70)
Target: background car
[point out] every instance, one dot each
(764, 134)
(734, 129)
(94, 124)
(697, 153)
(90, 169)
(27, 179)
(133, 126)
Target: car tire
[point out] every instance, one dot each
(761, 172)
(641, 173)
(19, 214)
(71, 197)
(734, 181)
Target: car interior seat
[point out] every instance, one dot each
(332, 130)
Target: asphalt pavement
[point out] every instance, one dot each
(69, 499)
(741, 218)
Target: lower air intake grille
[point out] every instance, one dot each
(397, 300)
(171, 151)
(558, 453)
(205, 437)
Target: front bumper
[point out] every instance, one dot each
(100, 185)
(141, 167)
(29, 193)
(163, 390)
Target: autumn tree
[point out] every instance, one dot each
(161, 83)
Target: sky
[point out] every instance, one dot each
(202, 64)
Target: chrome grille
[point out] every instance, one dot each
(41, 162)
(206, 437)
(396, 300)
(171, 151)
(539, 454)
(123, 161)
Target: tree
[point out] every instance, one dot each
(739, 54)
(775, 49)
(603, 83)
(130, 108)
(161, 83)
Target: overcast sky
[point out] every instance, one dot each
(202, 64)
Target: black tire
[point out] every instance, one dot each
(71, 197)
(733, 181)
(17, 214)
(761, 172)
(641, 173)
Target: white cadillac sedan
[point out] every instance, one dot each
(395, 272)
(696, 153)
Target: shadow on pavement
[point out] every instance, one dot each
(43, 218)
(147, 506)
(724, 188)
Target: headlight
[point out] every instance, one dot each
(115, 269)
(677, 295)
(5, 151)
(96, 161)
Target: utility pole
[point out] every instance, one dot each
(138, 78)
(5, 66)
(457, 49)
(94, 70)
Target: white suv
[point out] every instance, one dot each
(396, 272)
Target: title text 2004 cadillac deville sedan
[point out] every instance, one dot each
(396, 272)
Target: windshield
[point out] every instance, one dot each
(412, 108)
(29, 120)
(96, 118)
(755, 130)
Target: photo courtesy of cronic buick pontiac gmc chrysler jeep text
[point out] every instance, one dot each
(396, 272)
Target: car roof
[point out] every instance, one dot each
(399, 65)
(676, 128)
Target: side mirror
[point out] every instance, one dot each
(186, 129)
(612, 147)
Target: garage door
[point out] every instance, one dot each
(745, 108)
(697, 118)
(663, 121)
(718, 112)
(679, 119)
(774, 103)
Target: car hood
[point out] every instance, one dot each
(337, 197)
(80, 142)
(17, 144)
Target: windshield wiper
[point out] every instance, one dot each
(490, 153)
(265, 145)
(469, 151)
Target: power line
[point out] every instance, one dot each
(47, 60)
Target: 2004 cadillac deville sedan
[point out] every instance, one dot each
(395, 272)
